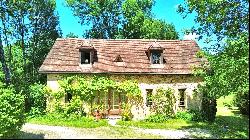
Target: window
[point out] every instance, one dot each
(85, 57)
(156, 57)
(149, 97)
(182, 97)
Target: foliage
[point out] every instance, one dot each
(208, 104)
(242, 101)
(228, 69)
(163, 101)
(71, 121)
(121, 19)
(157, 118)
(85, 89)
(37, 99)
(12, 112)
(71, 35)
(189, 115)
(126, 113)
(27, 32)
(104, 16)
(228, 23)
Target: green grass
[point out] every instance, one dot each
(169, 124)
(228, 123)
(58, 120)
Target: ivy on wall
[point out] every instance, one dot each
(84, 89)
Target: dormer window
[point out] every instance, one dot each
(155, 53)
(86, 53)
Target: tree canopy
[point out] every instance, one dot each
(121, 19)
(228, 70)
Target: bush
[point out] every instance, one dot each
(189, 115)
(11, 112)
(164, 101)
(37, 100)
(242, 102)
(184, 115)
(74, 107)
(208, 109)
(157, 118)
(126, 113)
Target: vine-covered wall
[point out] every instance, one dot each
(141, 110)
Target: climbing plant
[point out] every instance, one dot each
(163, 101)
(84, 89)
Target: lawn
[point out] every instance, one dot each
(228, 124)
(58, 120)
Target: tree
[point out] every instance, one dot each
(127, 19)
(228, 70)
(232, 19)
(28, 30)
(103, 16)
(4, 65)
(71, 35)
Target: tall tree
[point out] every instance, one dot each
(103, 16)
(32, 26)
(121, 19)
(228, 70)
(4, 64)
(44, 29)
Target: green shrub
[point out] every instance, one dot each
(189, 115)
(11, 112)
(208, 109)
(157, 118)
(74, 107)
(126, 113)
(184, 115)
(242, 102)
(163, 102)
(37, 99)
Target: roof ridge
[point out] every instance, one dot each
(143, 39)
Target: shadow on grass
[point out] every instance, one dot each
(222, 127)
(26, 135)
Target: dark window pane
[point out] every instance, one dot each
(156, 57)
(85, 57)
(149, 97)
(182, 97)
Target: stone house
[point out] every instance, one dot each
(153, 63)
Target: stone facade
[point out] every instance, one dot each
(176, 82)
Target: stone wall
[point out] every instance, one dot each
(176, 82)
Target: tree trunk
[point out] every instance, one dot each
(4, 65)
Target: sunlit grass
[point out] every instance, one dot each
(57, 120)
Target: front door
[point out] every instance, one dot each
(113, 103)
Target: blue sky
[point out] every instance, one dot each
(163, 9)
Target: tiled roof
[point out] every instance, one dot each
(64, 56)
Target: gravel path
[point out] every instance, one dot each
(60, 132)
(177, 134)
